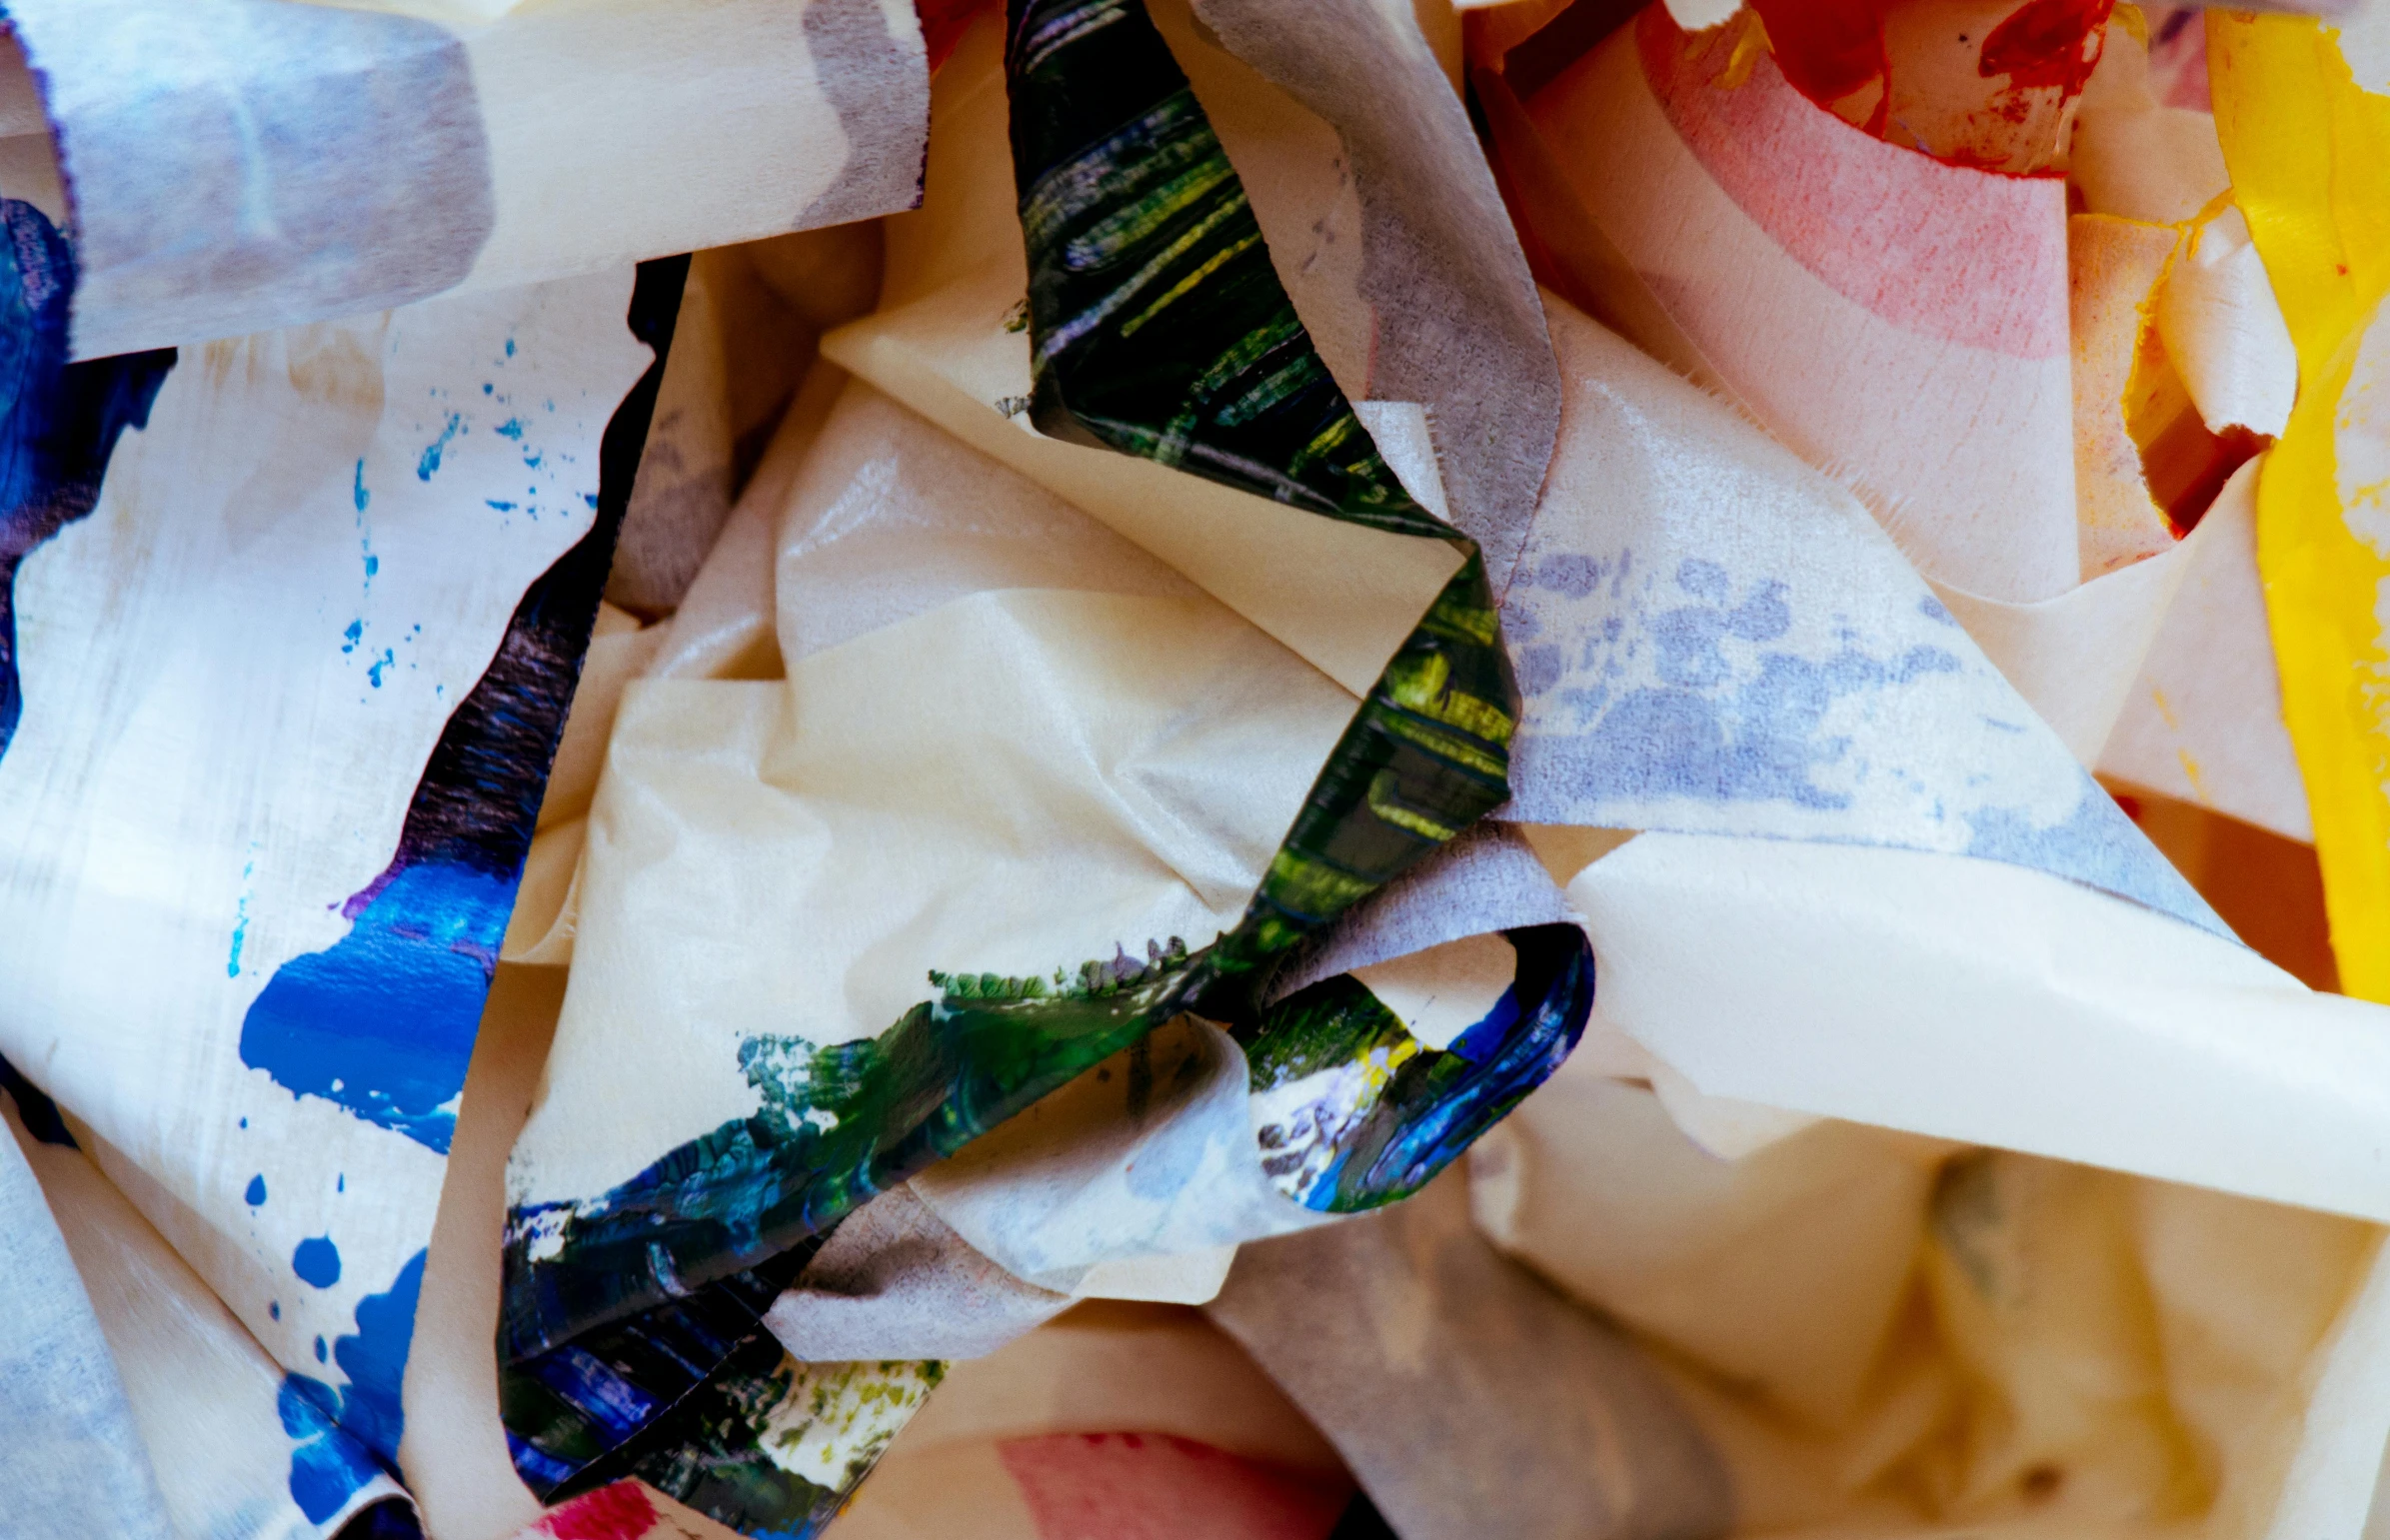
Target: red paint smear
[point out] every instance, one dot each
(1941, 250)
(2047, 43)
(1152, 1486)
(618, 1512)
(942, 24)
(1827, 48)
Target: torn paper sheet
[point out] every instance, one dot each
(1392, 215)
(1101, 1417)
(1785, 673)
(1898, 320)
(1467, 1397)
(1982, 1002)
(77, 1462)
(400, 157)
(949, 342)
(233, 1439)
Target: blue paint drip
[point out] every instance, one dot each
(429, 465)
(382, 1023)
(329, 1465)
(317, 1262)
(363, 497)
(256, 1193)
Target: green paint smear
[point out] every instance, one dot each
(1159, 330)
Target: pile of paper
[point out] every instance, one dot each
(1192, 769)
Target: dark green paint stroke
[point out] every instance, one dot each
(1159, 330)
(1348, 1159)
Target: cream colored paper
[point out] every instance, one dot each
(899, 804)
(390, 156)
(951, 342)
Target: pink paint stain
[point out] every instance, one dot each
(618, 1512)
(1947, 251)
(1153, 1486)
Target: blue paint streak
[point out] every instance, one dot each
(256, 1193)
(328, 1467)
(429, 465)
(382, 1021)
(2098, 847)
(363, 497)
(59, 422)
(1695, 733)
(317, 1262)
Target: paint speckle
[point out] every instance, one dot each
(320, 1355)
(504, 508)
(429, 465)
(317, 1262)
(510, 347)
(256, 1193)
(240, 927)
(591, 499)
(363, 497)
(351, 637)
(512, 428)
(273, 1309)
(381, 664)
(342, 1184)
(244, 1122)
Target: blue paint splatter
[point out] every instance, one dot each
(256, 1193)
(317, 1262)
(1692, 736)
(329, 1465)
(429, 465)
(510, 347)
(382, 1023)
(351, 637)
(363, 497)
(512, 428)
(320, 1355)
(273, 1309)
(504, 508)
(384, 662)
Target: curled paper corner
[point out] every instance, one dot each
(2223, 329)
